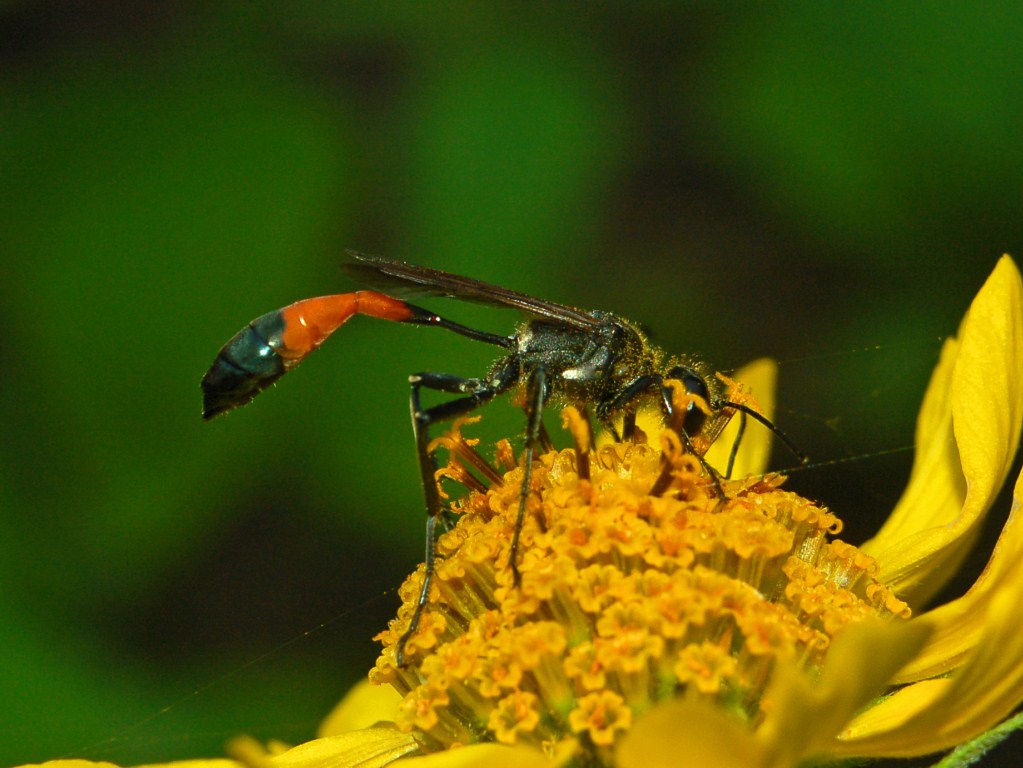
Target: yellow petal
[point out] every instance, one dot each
(930, 533)
(937, 714)
(892, 713)
(987, 390)
(960, 624)
(759, 378)
(362, 707)
(683, 733)
(487, 756)
(803, 718)
(212, 763)
(367, 748)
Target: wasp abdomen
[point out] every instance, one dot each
(245, 366)
(271, 345)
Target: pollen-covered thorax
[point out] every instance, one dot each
(585, 364)
(626, 599)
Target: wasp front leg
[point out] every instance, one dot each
(686, 424)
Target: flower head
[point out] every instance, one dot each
(626, 600)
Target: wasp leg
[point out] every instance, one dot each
(623, 403)
(638, 386)
(479, 392)
(536, 396)
(664, 479)
(429, 561)
(685, 423)
(546, 444)
(678, 423)
(629, 426)
(584, 409)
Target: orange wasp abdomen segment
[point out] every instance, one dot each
(308, 323)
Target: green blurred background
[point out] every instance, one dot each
(829, 186)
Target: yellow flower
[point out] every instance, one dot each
(690, 629)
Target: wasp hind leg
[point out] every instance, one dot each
(478, 392)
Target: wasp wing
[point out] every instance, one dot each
(407, 278)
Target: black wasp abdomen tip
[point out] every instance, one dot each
(215, 399)
(246, 366)
(226, 386)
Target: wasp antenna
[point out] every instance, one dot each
(788, 441)
(848, 459)
(735, 445)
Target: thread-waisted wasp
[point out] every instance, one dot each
(589, 358)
